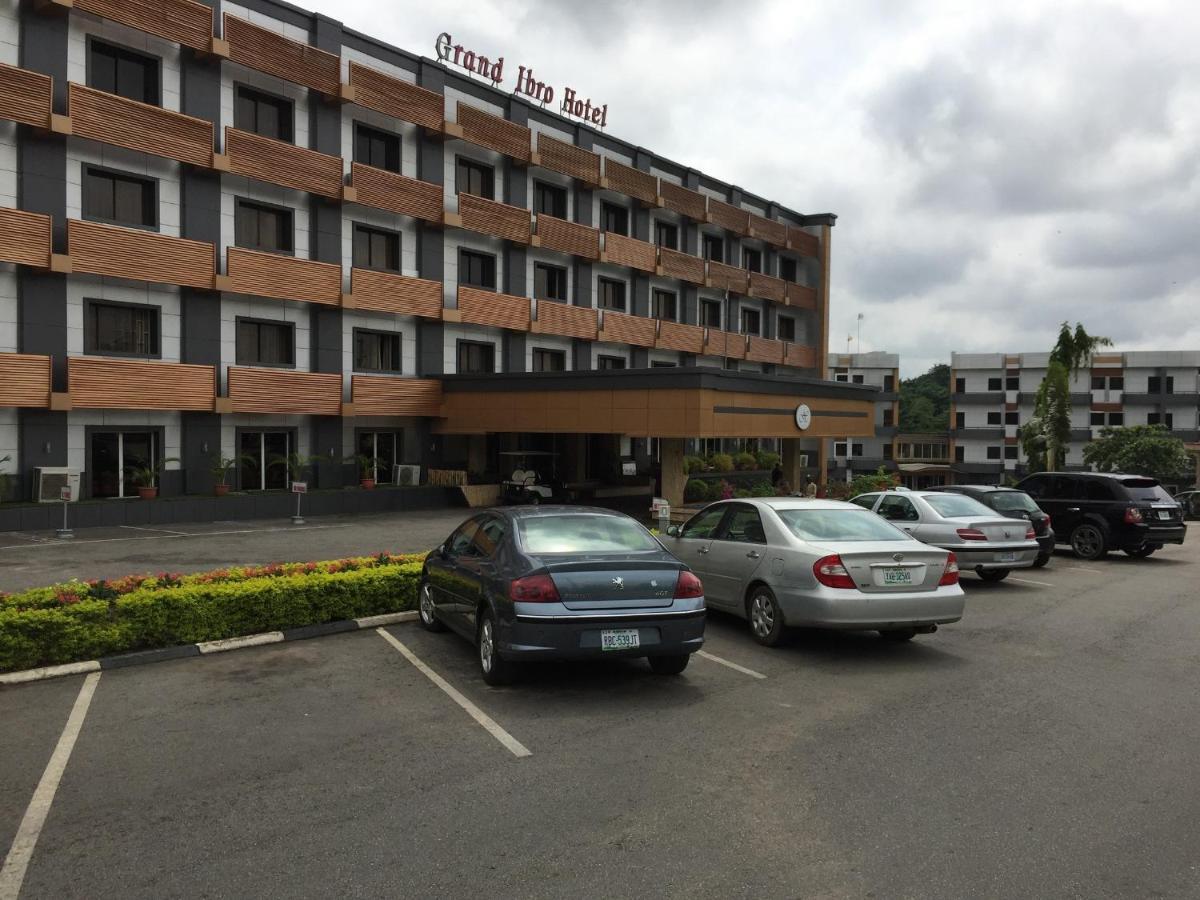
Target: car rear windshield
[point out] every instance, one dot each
(1146, 490)
(575, 533)
(839, 525)
(1013, 501)
(952, 505)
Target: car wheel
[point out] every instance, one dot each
(992, 574)
(669, 665)
(495, 669)
(898, 635)
(1089, 541)
(429, 619)
(766, 618)
(1143, 551)
(1041, 561)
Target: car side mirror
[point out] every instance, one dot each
(440, 551)
(673, 531)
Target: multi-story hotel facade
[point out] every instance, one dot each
(850, 456)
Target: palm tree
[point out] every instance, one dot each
(1046, 435)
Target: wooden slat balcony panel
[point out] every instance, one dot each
(764, 350)
(139, 126)
(685, 338)
(768, 230)
(26, 238)
(394, 97)
(285, 391)
(479, 307)
(264, 50)
(24, 380)
(397, 193)
(801, 296)
(98, 382)
(25, 96)
(683, 200)
(100, 249)
(561, 318)
(622, 328)
(804, 243)
(728, 278)
(767, 287)
(628, 180)
(381, 396)
(284, 164)
(681, 265)
(625, 251)
(494, 132)
(400, 294)
(494, 218)
(568, 159)
(181, 21)
(283, 277)
(725, 343)
(800, 357)
(568, 237)
(729, 217)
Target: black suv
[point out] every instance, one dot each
(1014, 504)
(1096, 512)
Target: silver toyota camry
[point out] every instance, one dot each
(786, 561)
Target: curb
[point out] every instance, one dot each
(142, 657)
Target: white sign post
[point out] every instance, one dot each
(64, 494)
(661, 510)
(299, 488)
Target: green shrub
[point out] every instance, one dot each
(695, 490)
(721, 462)
(692, 464)
(744, 462)
(766, 459)
(762, 489)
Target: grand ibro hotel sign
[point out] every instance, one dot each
(527, 85)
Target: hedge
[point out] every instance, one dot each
(81, 621)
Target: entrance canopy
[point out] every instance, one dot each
(682, 402)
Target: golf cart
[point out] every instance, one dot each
(526, 484)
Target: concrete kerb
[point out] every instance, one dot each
(205, 648)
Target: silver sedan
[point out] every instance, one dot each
(781, 562)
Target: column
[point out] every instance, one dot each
(673, 477)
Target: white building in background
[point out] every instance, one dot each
(863, 455)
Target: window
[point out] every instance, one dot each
(993, 418)
(1154, 385)
(262, 114)
(375, 248)
(887, 451)
(258, 470)
(960, 420)
(889, 383)
(1094, 490)
(889, 417)
(787, 269)
(662, 364)
(549, 199)
(1010, 451)
(710, 313)
(993, 452)
(120, 328)
(610, 362)
(123, 72)
(471, 177)
(382, 448)
(1116, 382)
(265, 343)
(1096, 418)
(856, 449)
(856, 379)
(666, 235)
(703, 525)
(549, 282)
(866, 501)
(843, 377)
(787, 328)
(476, 269)
(376, 148)
(549, 360)
(1011, 418)
(895, 508)
(119, 198)
(1116, 418)
(959, 453)
(1170, 384)
(376, 351)
(1167, 419)
(1098, 382)
(612, 294)
(113, 454)
(714, 248)
(745, 526)
(1012, 383)
(1152, 419)
(840, 448)
(993, 384)
(261, 227)
(614, 218)
(751, 259)
(664, 304)
(751, 321)
(960, 385)
(475, 358)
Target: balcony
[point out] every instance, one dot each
(767, 287)
(568, 159)
(764, 350)
(284, 164)
(181, 21)
(494, 218)
(728, 217)
(139, 126)
(800, 357)
(98, 382)
(570, 321)
(1129, 398)
(282, 277)
(397, 193)
(978, 433)
(378, 396)
(690, 203)
(394, 97)
(386, 292)
(24, 380)
(725, 343)
(800, 241)
(284, 391)
(684, 338)
(623, 251)
(493, 132)
(266, 51)
(630, 181)
(479, 307)
(26, 238)
(727, 278)
(25, 96)
(801, 296)
(620, 328)
(673, 264)
(995, 397)
(139, 255)
(567, 237)
(768, 230)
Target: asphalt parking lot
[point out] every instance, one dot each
(1046, 746)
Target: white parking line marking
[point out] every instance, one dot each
(12, 876)
(511, 743)
(171, 535)
(154, 530)
(731, 665)
(1079, 569)
(1027, 581)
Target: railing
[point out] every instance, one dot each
(26, 238)
(98, 382)
(800, 241)
(801, 296)
(683, 200)
(282, 277)
(284, 391)
(768, 230)
(25, 96)
(265, 51)
(684, 338)
(800, 357)
(568, 159)
(400, 294)
(560, 318)
(622, 328)
(24, 380)
(727, 278)
(493, 132)
(394, 97)
(479, 307)
(567, 237)
(182, 21)
(765, 350)
(381, 396)
(767, 287)
(100, 249)
(681, 265)
(725, 343)
(625, 251)
(284, 164)
(728, 217)
(139, 126)
(628, 180)
(397, 193)
(494, 218)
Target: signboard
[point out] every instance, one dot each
(803, 417)
(299, 487)
(658, 504)
(64, 493)
(628, 468)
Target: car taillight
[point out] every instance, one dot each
(1133, 516)
(1030, 534)
(1047, 520)
(830, 571)
(533, 589)
(688, 586)
(971, 534)
(950, 573)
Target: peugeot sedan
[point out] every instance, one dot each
(782, 562)
(1011, 503)
(562, 582)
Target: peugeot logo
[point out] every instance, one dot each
(898, 557)
(1007, 533)
(619, 583)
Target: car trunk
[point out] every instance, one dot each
(996, 530)
(888, 567)
(613, 583)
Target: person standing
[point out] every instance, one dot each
(810, 487)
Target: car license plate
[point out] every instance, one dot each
(897, 576)
(1164, 514)
(625, 639)
(1010, 556)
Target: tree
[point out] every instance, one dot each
(1073, 349)
(1045, 437)
(1141, 449)
(925, 401)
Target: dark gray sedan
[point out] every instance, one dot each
(562, 582)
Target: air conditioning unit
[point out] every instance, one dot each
(50, 480)
(406, 476)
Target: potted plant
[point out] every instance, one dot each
(144, 476)
(366, 470)
(220, 467)
(296, 464)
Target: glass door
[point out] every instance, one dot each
(258, 450)
(114, 454)
(382, 447)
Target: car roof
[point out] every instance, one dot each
(1115, 476)
(533, 512)
(778, 503)
(974, 488)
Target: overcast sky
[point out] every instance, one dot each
(995, 167)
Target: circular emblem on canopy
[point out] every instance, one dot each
(803, 417)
